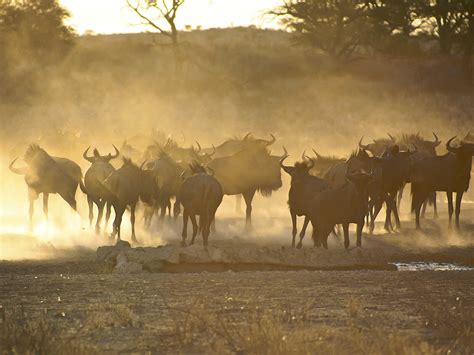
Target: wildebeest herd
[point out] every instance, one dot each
(327, 191)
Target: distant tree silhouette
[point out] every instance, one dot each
(157, 14)
(337, 27)
(33, 37)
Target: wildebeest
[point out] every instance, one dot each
(235, 145)
(46, 174)
(200, 194)
(126, 186)
(94, 177)
(167, 173)
(379, 145)
(450, 173)
(394, 168)
(341, 205)
(304, 187)
(246, 172)
(324, 163)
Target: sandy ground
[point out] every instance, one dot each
(77, 303)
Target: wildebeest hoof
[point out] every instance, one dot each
(299, 246)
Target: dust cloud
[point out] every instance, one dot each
(225, 82)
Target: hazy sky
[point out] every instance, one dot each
(112, 16)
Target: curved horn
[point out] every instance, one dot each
(19, 171)
(270, 142)
(282, 159)
(84, 155)
(361, 146)
(303, 156)
(317, 155)
(199, 147)
(247, 136)
(213, 151)
(143, 164)
(449, 148)
(391, 137)
(117, 153)
(312, 162)
(285, 153)
(436, 141)
(182, 175)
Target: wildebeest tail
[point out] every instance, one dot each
(206, 210)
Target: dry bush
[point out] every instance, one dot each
(255, 331)
(108, 315)
(453, 325)
(23, 333)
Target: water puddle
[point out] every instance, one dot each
(431, 266)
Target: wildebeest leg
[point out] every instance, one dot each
(435, 207)
(205, 228)
(195, 227)
(30, 213)
(458, 206)
(238, 204)
(45, 204)
(176, 208)
(423, 209)
(388, 215)
(449, 194)
(303, 231)
(316, 238)
(107, 214)
(119, 210)
(360, 226)
(184, 234)
(132, 221)
(90, 203)
(100, 206)
(345, 227)
(377, 207)
(294, 230)
(400, 195)
(248, 197)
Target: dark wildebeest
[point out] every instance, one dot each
(424, 149)
(341, 205)
(246, 172)
(324, 163)
(94, 178)
(233, 146)
(378, 146)
(46, 174)
(303, 188)
(394, 167)
(450, 173)
(201, 194)
(167, 173)
(126, 186)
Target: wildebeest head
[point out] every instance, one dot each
(96, 157)
(359, 161)
(147, 188)
(421, 144)
(361, 180)
(464, 149)
(300, 169)
(378, 147)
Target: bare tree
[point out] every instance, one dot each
(157, 14)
